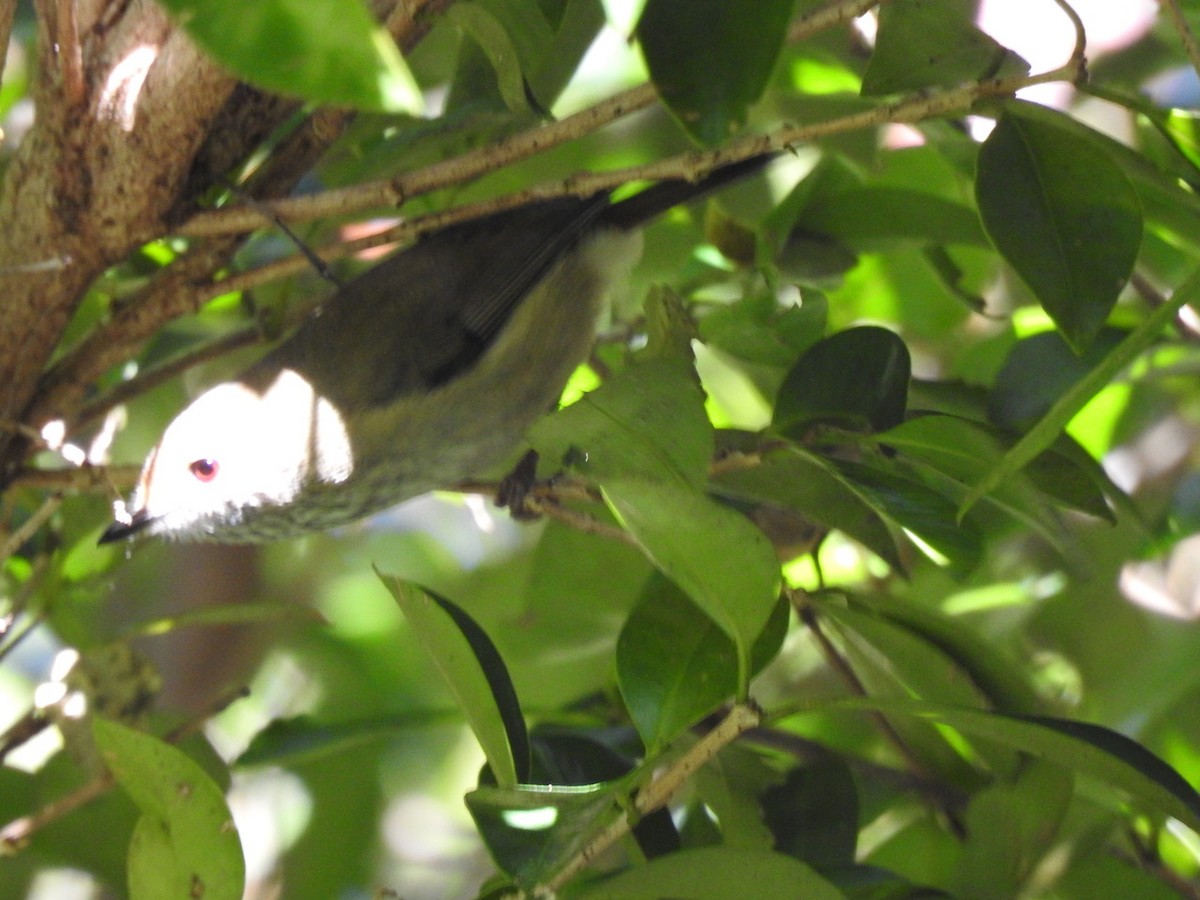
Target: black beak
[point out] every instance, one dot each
(118, 531)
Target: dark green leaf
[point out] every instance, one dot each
(922, 512)
(325, 51)
(1037, 371)
(961, 453)
(483, 23)
(711, 59)
(1062, 213)
(475, 674)
(1048, 428)
(925, 43)
(184, 844)
(675, 665)
(878, 217)
(528, 830)
(997, 862)
(857, 378)
(814, 813)
(714, 554)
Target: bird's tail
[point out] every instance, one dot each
(658, 198)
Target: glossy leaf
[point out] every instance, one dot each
(1062, 213)
(716, 873)
(959, 453)
(710, 60)
(477, 678)
(528, 829)
(914, 507)
(857, 378)
(325, 51)
(695, 542)
(922, 44)
(184, 844)
(675, 665)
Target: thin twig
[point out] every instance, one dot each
(841, 665)
(546, 499)
(689, 166)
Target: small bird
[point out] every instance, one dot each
(423, 371)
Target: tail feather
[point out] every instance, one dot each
(658, 198)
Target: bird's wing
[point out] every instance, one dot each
(424, 315)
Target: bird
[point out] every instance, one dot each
(423, 371)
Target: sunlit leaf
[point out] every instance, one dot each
(184, 844)
(475, 674)
(325, 51)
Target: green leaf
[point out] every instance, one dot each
(475, 674)
(1047, 430)
(646, 422)
(813, 814)
(959, 453)
(1080, 747)
(922, 44)
(529, 829)
(806, 483)
(710, 59)
(184, 844)
(716, 873)
(877, 217)
(675, 665)
(324, 51)
(482, 22)
(1037, 371)
(1009, 829)
(997, 675)
(1062, 213)
(919, 510)
(893, 661)
(714, 554)
(302, 739)
(857, 378)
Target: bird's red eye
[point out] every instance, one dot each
(204, 469)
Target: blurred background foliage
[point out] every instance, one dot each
(978, 679)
